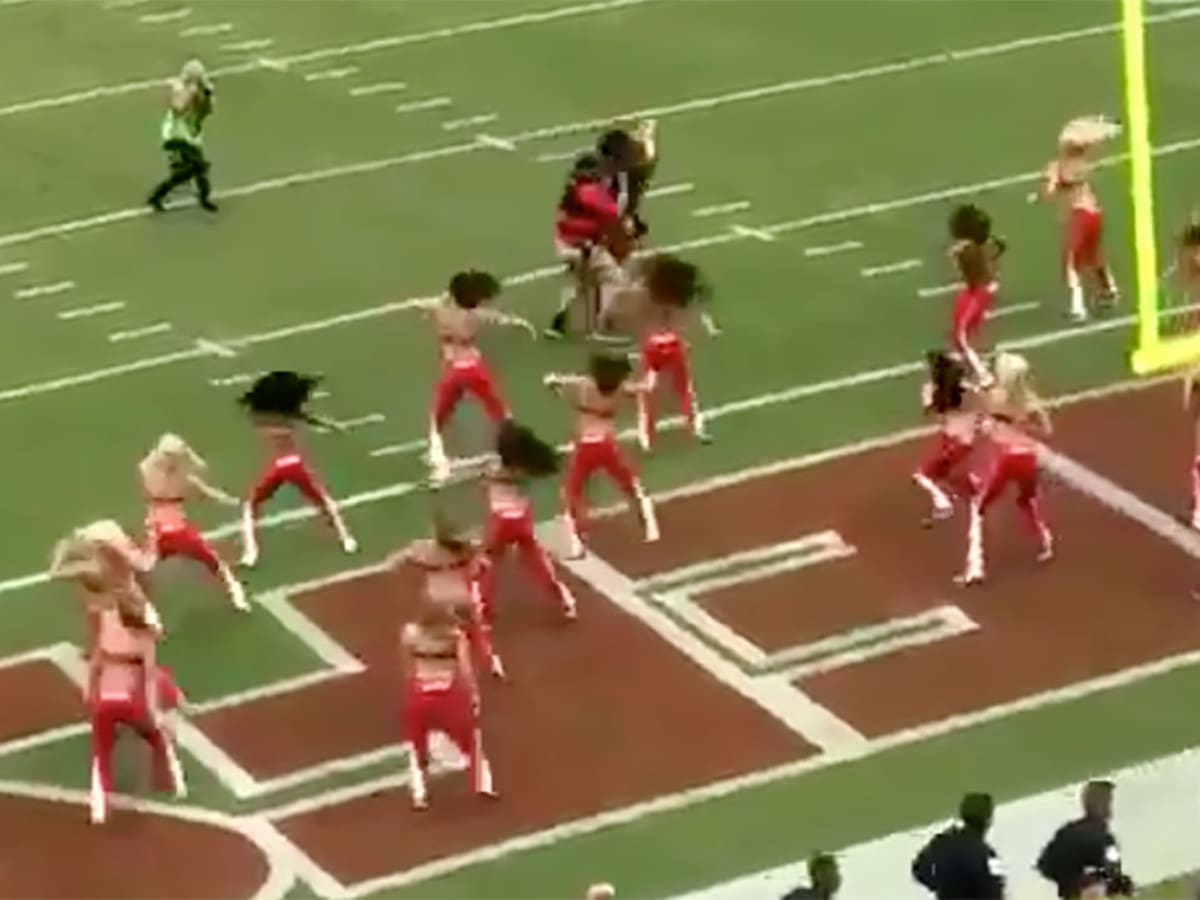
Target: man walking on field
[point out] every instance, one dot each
(189, 104)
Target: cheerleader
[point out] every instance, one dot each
(457, 318)
(1067, 179)
(171, 474)
(596, 398)
(672, 288)
(522, 456)
(276, 406)
(441, 694)
(126, 686)
(976, 253)
(943, 471)
(1014, 418)
(450, 562)
(108, 566)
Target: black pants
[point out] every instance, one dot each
(186, 162)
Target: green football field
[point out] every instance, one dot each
(817, 124)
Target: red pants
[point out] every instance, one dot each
(945, 462)
(466, 376)
(587, 456)
(1020, 468)
(514, 530)
(110, 711)
(1082, 251)
(446, 707)
(664, 352)
(293, 470)
(971, 306)
(185, 540)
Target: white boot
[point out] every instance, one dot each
(649, 518)
(249, 540)
(235, 589)
(98, 800)
(416, 784)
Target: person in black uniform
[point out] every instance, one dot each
(958, 863)
(630, 158)
(1086, 845)
(825, 880)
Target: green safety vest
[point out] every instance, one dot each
(181, 126)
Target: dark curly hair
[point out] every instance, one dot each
(472, 287)
(674, 282)
(522, 450)
(970, 223)
(947, 375)
(609, 371)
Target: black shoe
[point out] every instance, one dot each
(156, 204)
(208, 205)
(558, 327)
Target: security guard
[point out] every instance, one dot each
(958, 863)
(825, 880)
(190, 104)
(1087, 846)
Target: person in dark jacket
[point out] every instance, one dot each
(825, 880)
(1087, 844)
(958, 863)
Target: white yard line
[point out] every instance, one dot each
(246, 46)
(207, 30)
(164, 17)
(215, 348)
(903, 265)
(757, 234)
(383, 87)
(1040, 40)
(229, 380)
(332, 74)
(719, 209)
(561, 155)
(133, 334)
(13, 267)
(941, 290)
(43, 290)
(670, 190)
(430, 103)
(360, 421)
(1012, 309)
(406, 447)
(1155, 823)
(469, 121)
(830, 249)
(498, 143)
(85, 312)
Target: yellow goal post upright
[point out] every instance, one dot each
(1155, 351)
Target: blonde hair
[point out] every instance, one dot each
(78, 553)
(172, 446)
(1087, 131)
(193, 72)
(1014, 384)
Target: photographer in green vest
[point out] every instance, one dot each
(190, 104)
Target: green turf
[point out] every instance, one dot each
(278, 257)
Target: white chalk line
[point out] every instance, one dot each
(370, 90)
(903, 265)
(393, 449)
(670, 190)
(13, 268)
(1013, 309)
(561, 155)
(719, 209)
(1049, 38)
(757, 234)
(164, 17)
(332, 74)
(940, 290)
(84, 312)
(419, 105)
(229, 380)
(360, 421)
(133, 334)
(215, 348)
(499, 143)
(830, 249)
(469, 121)
(43, 290)
(207, 30)
(246, 46)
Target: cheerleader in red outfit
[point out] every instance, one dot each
(276, 406)
(943, 472)
(1066, 179)
(441, 694)
(522, 456)
(106, 564)
(672, 286)
(596, 398)
(1015, 417)
(126, 686)
(457, 318)
(975, 252)
(450, 562)
(170, 476)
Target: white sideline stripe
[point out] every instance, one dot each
(337, 766)
(562, 12)
(271, 689)
(1153, 796)
(417, 105)
(13, 267)
(135, 333)
(162, 18)
(368, 90)
(206, 30)
(282, 862)
(43, 290)
(941, 290)
(83, 312)
(757, 233)
(331, 74)
(718, 209)
(903, 265)
(456, 124)
(833, 248)
(1012, 309)
(255, 44)
(668, 190)
(393, 449)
